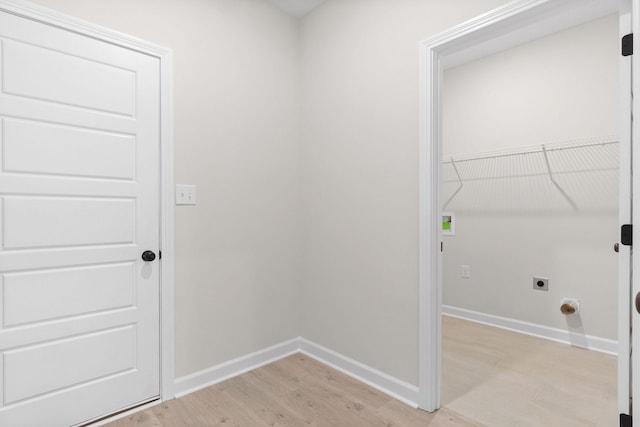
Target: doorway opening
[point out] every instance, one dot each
(530, 174)
(509, 26)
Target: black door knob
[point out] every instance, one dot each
(148, 256)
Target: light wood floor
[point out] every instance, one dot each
(501, 378)
(295, 391)
(491, 378)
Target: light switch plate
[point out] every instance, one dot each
(185, 194)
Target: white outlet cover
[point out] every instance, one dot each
(465, 271)
(185, 194)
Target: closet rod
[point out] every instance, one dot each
(527, 150)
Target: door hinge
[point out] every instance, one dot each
(626, 234)
(159, 254)
(627, 45)
(625, 420)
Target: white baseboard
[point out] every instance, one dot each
(224, 371)
(575, 339)
(385, 383)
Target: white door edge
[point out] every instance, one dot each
(473, 39)
(635, 163)
(48, 16)
(624, 256)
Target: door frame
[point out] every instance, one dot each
(165, 56)
(508, 26)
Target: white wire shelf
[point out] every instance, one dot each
(577, 174)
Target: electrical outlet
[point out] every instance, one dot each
(185, 194)
(465, 271)
(540, 283)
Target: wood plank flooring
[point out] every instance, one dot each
(501, 378)
(491, 377)
(295, 391)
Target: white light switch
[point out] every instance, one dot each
(185, 194)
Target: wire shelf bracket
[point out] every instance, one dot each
(460, 185)
(554, 182)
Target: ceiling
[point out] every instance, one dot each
(297, 8)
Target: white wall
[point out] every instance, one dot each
(562, 87)
(236, 138)
(558, 88)
(360, 157)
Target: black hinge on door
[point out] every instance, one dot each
(627, 45)
(625, 420)
(626, 234)
(159, 254)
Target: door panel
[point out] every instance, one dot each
(63, 371)
(56, 294)
(47, 74)
(44, 149)
(79, 203)
(39, 222)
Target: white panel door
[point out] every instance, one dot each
(79, 204)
